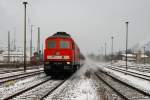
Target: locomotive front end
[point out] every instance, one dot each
(58, 55)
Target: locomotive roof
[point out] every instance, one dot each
(61, 34)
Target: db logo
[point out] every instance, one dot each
(57, 53)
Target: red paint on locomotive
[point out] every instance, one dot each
(61, 54)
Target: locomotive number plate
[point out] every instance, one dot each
(57, 57)
(54, 57)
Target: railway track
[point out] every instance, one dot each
(132, 73)
(122, 89)
(38, 91)
(19, 76)
(133, 66)
(6, 70)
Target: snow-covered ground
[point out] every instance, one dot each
(79, 87)
(38, 92)
(11, 87)
(134, 81)
(19, 72)
(83, 85)
(4, 70)
(132, 65)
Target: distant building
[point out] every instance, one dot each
(130, 57)
(141, 57)
(136, 57)
(15, 56)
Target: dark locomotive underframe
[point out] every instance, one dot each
(60, 67)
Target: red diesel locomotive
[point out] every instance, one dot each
(61, 54)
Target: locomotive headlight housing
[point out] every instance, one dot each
(46, 62)
(66, 57)
(68, 62)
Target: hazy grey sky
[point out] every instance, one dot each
(90, 22)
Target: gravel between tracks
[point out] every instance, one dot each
(13, 86)
(38, 92)
(79, 87)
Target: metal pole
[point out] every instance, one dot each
(38, 44)
(8, 47)
(42, 53)
(31, 45)
(105, 49)
(25, 3)
(15, 39)
(112, 49)
(101, 50)
(126, 44)
(15, 45)
(144, 55)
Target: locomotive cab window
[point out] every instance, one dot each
(51, 44)
(64, 44)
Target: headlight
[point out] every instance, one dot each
(66, 57)
(46, 62)
(68, 62)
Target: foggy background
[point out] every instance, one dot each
(91, 23)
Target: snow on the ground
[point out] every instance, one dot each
(84, 91)
(131, 65)
(119, 65)
(19, 72)
(134, 81)
(79, 87)
(10, 88)
(38, 92)
(131, 70)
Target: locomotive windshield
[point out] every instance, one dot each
(64, 44)
(51, 44)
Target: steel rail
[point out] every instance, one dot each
(121, 95)
(22, 91)
(126, 84)
(3, 71)
(52, 90)
(23, 73)
(142, 68)
(19, 76)
(142, 76)
(32, 87)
